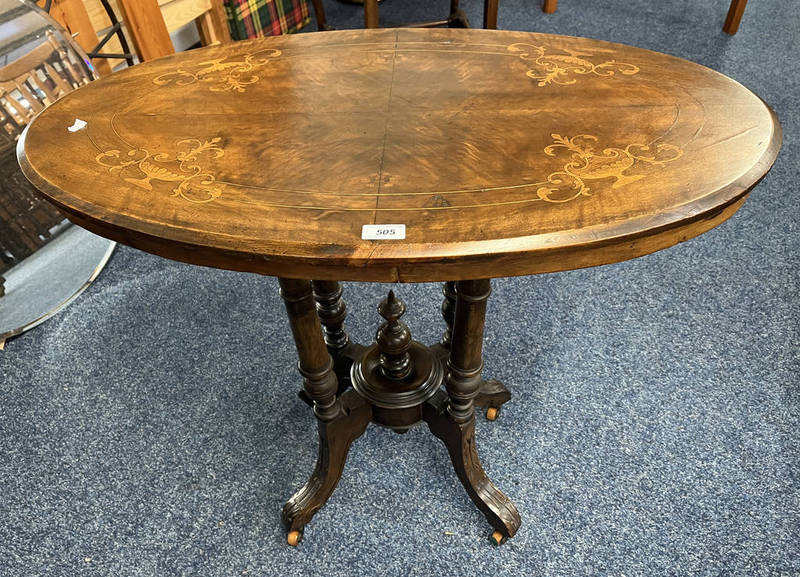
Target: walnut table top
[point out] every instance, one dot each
(502, 153)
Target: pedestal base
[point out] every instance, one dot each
(396, 383)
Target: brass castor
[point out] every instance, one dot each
(492, 413)
(294, 538)
(497, 538)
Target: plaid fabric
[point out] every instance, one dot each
(254, 18)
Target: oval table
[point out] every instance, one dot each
(402, 156)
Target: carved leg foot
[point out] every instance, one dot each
(460, 441)
(335, 438)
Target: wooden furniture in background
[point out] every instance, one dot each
(212, 25)
(456, 19)
(500, 153)
(731, 25)
(72, 15)
(148, 24)
(146, 27)
(40, 77)
(27, 86)
(734, 17)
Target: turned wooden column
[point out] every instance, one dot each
(492, 394)
(315, 362)
(332, 312)
(463, 376)
(448, 312)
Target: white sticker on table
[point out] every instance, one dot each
(383, 232)
(78, 125)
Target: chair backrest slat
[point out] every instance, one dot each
(36, 80)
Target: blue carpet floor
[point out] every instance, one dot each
(152, 428)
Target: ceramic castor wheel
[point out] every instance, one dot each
(294, 538)
(492, 413)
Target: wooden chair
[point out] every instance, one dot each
(731, 25)
(148, 24)
(36, 80)
(28, 84)
(72, 15)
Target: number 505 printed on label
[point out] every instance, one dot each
(383, 232)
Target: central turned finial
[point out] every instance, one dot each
(394, 339)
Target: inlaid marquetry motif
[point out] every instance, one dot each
(185, 169)
(223, 74)
(563, 68)
(588, 163)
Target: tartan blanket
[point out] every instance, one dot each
(254, 18)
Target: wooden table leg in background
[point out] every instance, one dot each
(340, 421)
(212, 25)
(370, 13)
(550, 6)
(734, 17)
(322, 20)
(490, 14)
(451, 416)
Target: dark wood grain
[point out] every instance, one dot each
(503, 153)
(448, 312)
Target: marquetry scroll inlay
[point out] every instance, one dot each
(186, 169)
(223, 74)
(587, 163)
(562, 67)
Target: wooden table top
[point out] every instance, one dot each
(502, 153)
